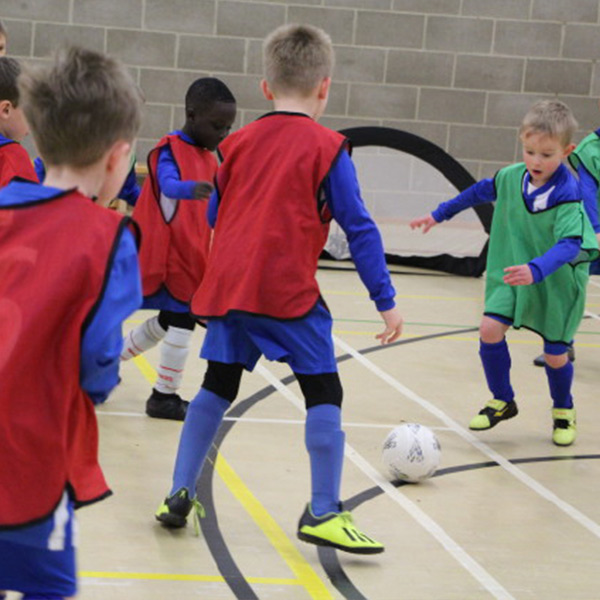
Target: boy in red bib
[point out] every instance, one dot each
(282, 179)
(69, 276)
(14, 160)
(176, 236)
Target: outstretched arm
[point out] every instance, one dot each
(171, 183)
(348, 209)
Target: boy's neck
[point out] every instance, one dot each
(86, 180)
(307, 106)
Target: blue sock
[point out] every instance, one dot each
(204, 415)
(496, 365)
(560, 382)
(324, 440)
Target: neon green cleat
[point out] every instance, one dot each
(173, 512)
(492, 413)
(336, 530)
(565, 430)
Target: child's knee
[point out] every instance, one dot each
(325, 388)
(492, 331)
(223, 379)
(556, 361)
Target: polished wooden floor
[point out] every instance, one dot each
(508, 515)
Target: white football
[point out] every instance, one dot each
(411, 452)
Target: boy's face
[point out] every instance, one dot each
(542, 155)
(2, 44)
(210, 127)
(12, 121)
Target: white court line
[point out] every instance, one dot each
(269, 421)
(531, 483)
(472, 566)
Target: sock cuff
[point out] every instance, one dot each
(178, 336)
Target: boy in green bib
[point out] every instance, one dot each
(541, 242)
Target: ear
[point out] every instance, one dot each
(120, 150)
(266, 90)
(5, 108)
(568, 149)
(324, 88)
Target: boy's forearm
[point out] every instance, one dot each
(481, 192)
(563, 252)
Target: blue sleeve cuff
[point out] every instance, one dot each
(386, 304)
(437, 215)
(536, 272)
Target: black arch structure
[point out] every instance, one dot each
(451, 169)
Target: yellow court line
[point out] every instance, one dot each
(182, 577)
(306, 575)
(146, 368)
(294, 559)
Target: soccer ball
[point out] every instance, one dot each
(411, 452)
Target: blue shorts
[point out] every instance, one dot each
(162, 300)
(306, 344)
(39, 560)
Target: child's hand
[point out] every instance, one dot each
(427, 222)
(203, 189)
(518, 275)
(393, 326)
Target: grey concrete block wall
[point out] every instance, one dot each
(458, 72)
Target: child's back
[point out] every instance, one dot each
(68, 278)
(270, 176)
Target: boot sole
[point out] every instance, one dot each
(317, 541)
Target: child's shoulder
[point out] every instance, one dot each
(518, 168)
(592, 139)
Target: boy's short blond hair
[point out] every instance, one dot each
(552, 118)
(297, 58)
(79, 105)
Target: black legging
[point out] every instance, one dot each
(224, 380)
(167, 318)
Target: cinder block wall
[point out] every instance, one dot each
(459, 72)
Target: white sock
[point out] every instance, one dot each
(173, 353)
(143, 337)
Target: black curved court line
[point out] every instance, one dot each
(209, 525)
(329, 557)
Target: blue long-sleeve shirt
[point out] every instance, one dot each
(588, 186)
(342, 193)
(102, 341)
(168, 175)
(484, 191)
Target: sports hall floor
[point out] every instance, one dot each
(508, 515)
